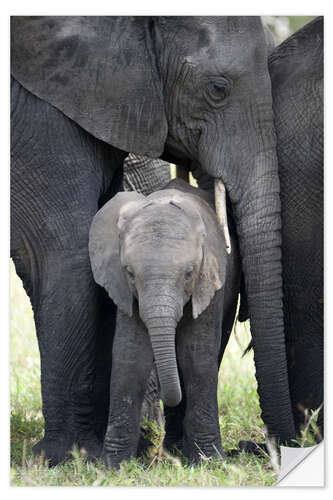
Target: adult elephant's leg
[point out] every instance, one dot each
(306, 384)
(297, 90)
(59, 174)
(65, 311)
(303, 292)
(132, 363)
(198, 342)
(174, 421)
(106, 322)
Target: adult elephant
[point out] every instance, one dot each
(87, 90)
(296, 69)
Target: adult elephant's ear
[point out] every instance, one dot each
(104, 249)
(100, 71)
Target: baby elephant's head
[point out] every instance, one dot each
(163, 250)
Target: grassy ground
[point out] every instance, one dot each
(238, 409)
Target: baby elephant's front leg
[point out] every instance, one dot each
(132, 361)
(197, 351)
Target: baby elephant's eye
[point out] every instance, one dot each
(218, 90)
(189, 273)
(130, 273)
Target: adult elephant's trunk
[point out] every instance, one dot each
(161, 321)
(258, 222)
(246, 161)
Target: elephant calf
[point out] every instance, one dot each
(153, 254)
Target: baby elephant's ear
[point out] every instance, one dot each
(213, 268)
(104, 248)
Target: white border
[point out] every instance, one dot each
(171, 7)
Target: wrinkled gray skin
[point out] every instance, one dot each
(87, 90)
(145, 175)
(296, 69)
(163, 261)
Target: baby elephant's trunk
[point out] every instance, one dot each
(161, 323)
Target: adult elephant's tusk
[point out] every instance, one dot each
(221, 211)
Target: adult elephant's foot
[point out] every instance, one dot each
(57, 451)
(259, 449)
(174, 417)
(143, 445)
(91, 449)
(172, 443)
(54, 451)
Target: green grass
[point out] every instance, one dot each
(239, 416)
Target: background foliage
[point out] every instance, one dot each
(284, 26)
